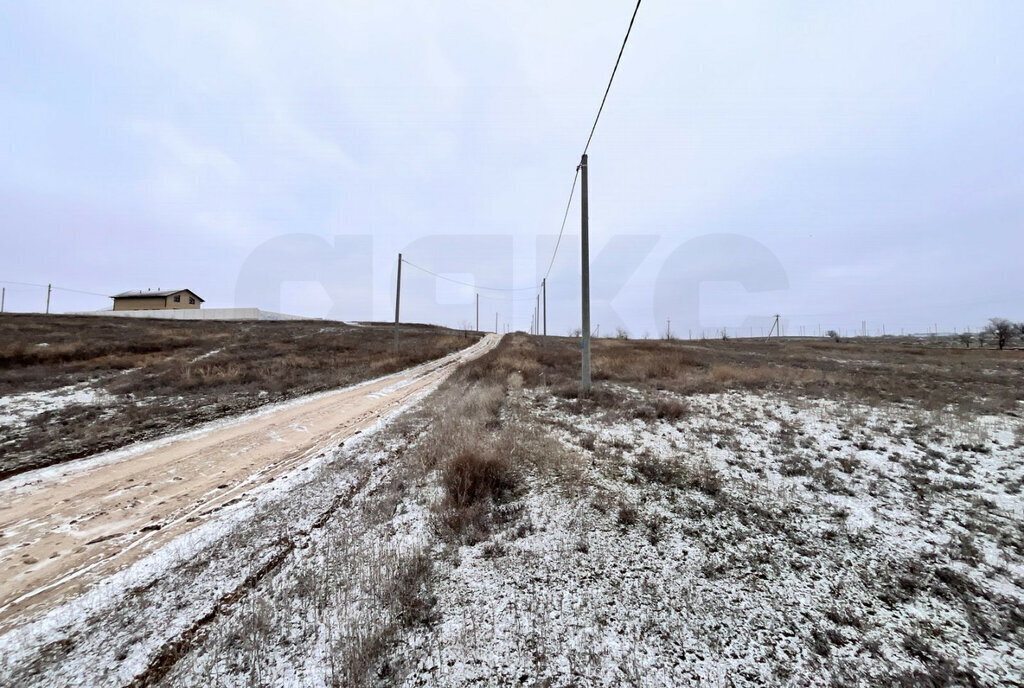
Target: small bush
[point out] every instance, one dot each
(705, 478)
(628, 514)
(795, 464)
(473, 476)
(661, 409)
(657, 470)
(411, 592)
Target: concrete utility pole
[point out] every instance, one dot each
(49, 289)
(585, 265)
(775, 326)
(544, 290)
(495, 322)
(478, 311)
(398, 298)
(3, 298)
(538, 312)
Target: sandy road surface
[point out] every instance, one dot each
(63, 529)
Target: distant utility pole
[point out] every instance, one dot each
(538, 312)
(495, 322)
(478, 311)
(49, 289)
(585, 264)
(544, 290)
(775, 328)
(398, 298)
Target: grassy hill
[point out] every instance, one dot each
(72, 386)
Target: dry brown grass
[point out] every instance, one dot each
(872, 371)
(471, 477)
(163, 375)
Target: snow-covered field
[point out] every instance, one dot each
(756, 539)
(759, 540)
(735, 538)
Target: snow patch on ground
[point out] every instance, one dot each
(16, 410)
(834, 549)
(758, 539)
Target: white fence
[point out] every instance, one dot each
(201, 314)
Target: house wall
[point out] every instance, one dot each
(185, 296)
(147, 303)
(139, 304)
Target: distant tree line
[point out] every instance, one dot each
(999, 330)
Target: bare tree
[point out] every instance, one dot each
(965, 339)
(621, 333)
(1002, 329)
(832, 334)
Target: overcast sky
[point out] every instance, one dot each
(834, 162)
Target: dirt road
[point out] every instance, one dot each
(64, 528)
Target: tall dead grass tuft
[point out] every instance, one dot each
(473, 476)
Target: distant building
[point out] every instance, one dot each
(156, 300)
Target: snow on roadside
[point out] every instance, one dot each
(842, 543)
(16, 410)
(107, 635)
(757, 539)
(68, 469)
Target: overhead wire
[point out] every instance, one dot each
(590, 138)
(506, 299)
(565, 217)
(467, 284)
(612, 77)
(55, 287)
(572, 188)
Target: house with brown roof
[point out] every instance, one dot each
(156, 300)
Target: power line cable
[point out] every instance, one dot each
(565, 217)
(572, 189)
(612, 78)
(466, 284)
(506, 299)
(79, 291)
(600, 109)
(55, 287)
